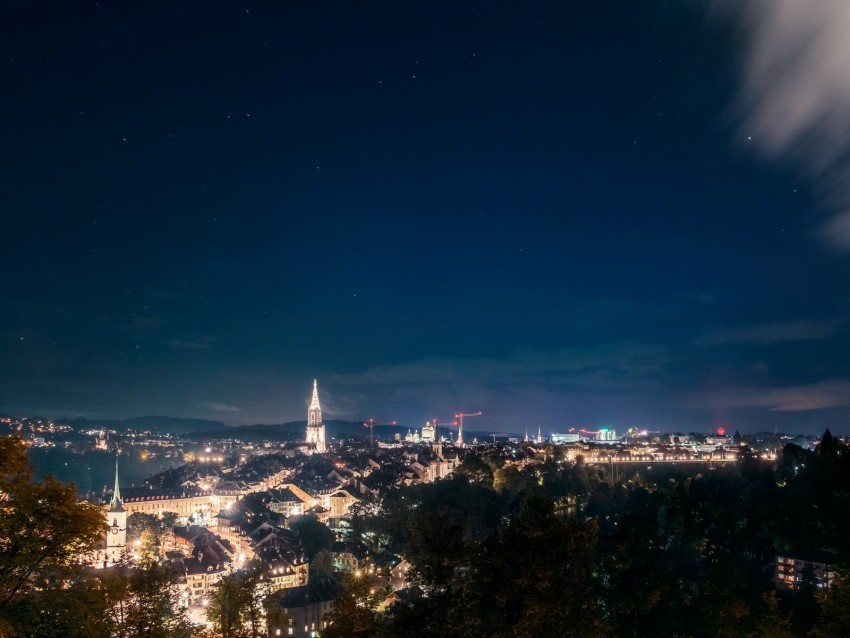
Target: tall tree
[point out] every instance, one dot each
(534, 577)
(236, 604)
(152, 603)
(771, 622)
(150, 529)
(355, 612)
(834, 617)
(315, 535)
(42, 526)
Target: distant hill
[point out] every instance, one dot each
(200, 429)
(290, 431)
(162, 424)
(335, 429)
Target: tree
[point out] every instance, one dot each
(828, 445)
(151, 602)
(721, 605)
(140, 522)
(323, 565)
(834, 618)
(42, 526)
(510, 479)
(235, 608)
(315, 535)
(771, 622)
(475, 470)
(228, 600)
(354, 615)
(111, 603)
(77, 610)
(436, 547)
(150, 530)
(534, 577)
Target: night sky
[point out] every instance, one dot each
(559, 213)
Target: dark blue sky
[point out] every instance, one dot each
(548, 211)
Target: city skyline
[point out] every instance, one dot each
(558, 215)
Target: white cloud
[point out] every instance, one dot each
(794, 101)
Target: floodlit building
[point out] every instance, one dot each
(315, 426)
(286, 502)
(429, 433)
(339, 502)
(606, 435)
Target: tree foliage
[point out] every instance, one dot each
(674, 550)
(315, 536)
(151, 530)
(534, 577)
(42, 526)
(834, 617)
(46, 591)
(236, 604)
(355, 614)
(115, 603)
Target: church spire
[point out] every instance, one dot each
(314, 413)
(116, 505)
(315, 427)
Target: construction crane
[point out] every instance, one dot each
(460, 416)
(371, 425)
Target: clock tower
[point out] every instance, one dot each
(116, 519)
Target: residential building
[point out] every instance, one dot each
(797, 567)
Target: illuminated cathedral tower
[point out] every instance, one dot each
(315, 427)
(116, 519)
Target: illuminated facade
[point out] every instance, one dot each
(201, 506)
(606, 435)
(116, 519)
(429, 433)
(797, 568)
(315, 426)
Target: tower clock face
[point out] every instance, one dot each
(114, 530)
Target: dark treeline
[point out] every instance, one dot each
(559, 549)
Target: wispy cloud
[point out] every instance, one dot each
(205, 342)
(611, 364)
(794, 100)
(768, 333)
(222, 407)
(832, 393)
